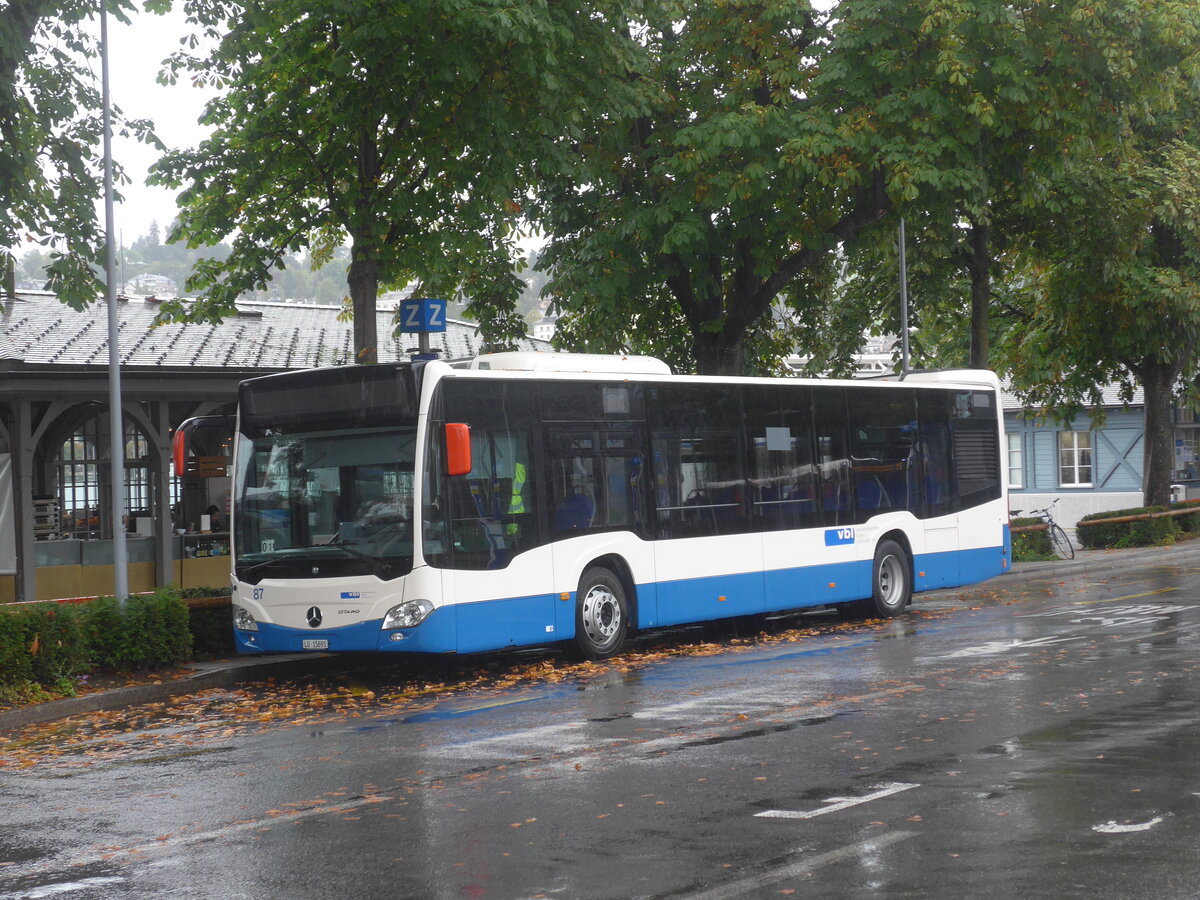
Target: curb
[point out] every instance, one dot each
(242, 670)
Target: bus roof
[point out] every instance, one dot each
(532, 361)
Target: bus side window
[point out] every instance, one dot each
(833, 458)
(699, 471)
(883, 435)
(937, 477)
(594, 476)
(779, 432)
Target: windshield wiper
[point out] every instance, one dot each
(303, 554)
(274, 560)
(378, 566)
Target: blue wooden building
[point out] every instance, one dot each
(1089, 468)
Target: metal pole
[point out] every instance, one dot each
(903, 303)
(116, 425)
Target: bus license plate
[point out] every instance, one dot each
(315, 645)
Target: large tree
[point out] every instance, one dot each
(698, 227)
(404, 128)
(1121, 301)
(1118, 260)
(50, 139)
(993, 98)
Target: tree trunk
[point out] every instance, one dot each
(8, 275)
(716, 354)
(1158, 382)
(364, 289)
(981, 289)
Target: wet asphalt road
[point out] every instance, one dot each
(1039, 739)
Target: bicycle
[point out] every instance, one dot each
(1059, 540)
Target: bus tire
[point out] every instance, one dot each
(891, 582)
(601, 614)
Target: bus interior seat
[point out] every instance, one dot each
(575, 511)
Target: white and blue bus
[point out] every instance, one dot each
(527, 499)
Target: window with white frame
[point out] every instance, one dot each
(1075, 458)
(1016, 462)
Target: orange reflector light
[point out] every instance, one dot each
(720, 599)
(565, 595)
(922, 574)
(833, 584)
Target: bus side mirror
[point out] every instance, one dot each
(458, 448)
(184, 435)
(179, 451)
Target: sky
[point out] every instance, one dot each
(136, 52)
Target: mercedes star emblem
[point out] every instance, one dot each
(314, 616)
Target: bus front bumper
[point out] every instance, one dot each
(437, 634)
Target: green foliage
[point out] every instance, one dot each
(223, 591)
(50, 138)
(1139, 533)
(42, 642)
(16, 661)
(989, 104)
(703, 215)
(1032, 546)
(59, 647)
(401, 128)
(150, 632)
(1116, 297)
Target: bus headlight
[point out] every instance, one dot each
(407, 615)
(243, 620)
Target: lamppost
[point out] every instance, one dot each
(116, 424)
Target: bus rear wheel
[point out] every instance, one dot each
(891, 582)
(601, 614)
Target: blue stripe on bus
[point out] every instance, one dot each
(526, 621)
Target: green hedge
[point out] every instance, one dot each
(1031, 546)
(45, 643)
(1141, 532)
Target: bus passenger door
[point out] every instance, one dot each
(938, 566)
(498, 570)
(594, 476)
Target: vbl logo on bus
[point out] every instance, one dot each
(837, 536)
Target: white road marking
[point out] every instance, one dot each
(54, 890)
(185, 839)
(802, 866)
(993, 648)
(838, 803)
(1118, 828)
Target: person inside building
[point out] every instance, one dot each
(216, 521)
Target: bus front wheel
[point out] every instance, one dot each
(601, 614)
(891, 582)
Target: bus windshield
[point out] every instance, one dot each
(324, 504)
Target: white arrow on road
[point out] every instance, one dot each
(1126, 828)
(993, 647)
(838, 803)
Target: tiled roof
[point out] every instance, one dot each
(37, 329)
(1111, 397)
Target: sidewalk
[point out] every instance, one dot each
(228, 673)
